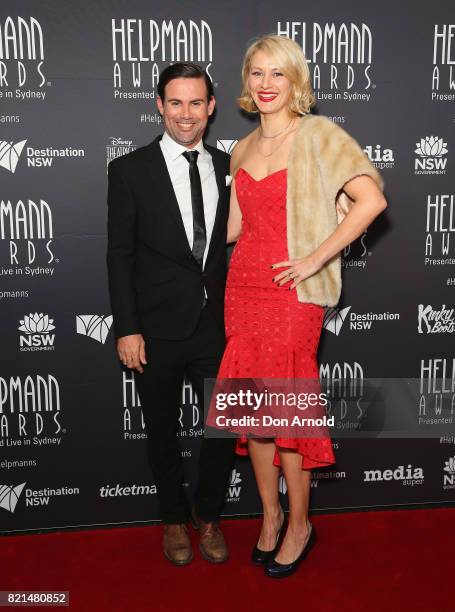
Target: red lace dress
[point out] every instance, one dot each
(270, 334)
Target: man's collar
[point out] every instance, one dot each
(174, 149)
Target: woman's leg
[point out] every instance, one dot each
(298, 485)
(262, 453)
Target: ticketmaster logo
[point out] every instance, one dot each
(94, 326)
(10, 153)
(9, 496)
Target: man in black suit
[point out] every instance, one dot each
(168, 205)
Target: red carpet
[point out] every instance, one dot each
(363, 561)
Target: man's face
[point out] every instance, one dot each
(185, 110)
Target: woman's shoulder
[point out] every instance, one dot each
(240, 147)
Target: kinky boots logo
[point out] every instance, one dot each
(435, 321)
(26, 233)
(440, 230)
(340, 57)
(21, 59)
(141, 48)
(443, 75)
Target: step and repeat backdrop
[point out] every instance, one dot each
(77, 89)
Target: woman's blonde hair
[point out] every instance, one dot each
(291, 62)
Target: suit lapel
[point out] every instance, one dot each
(160, 169)
(165, 183)
(220, 181)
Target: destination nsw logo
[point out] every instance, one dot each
(10, 154)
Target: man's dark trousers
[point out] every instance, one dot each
(160, 390)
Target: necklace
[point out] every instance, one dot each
(277, 147)
(279, 133)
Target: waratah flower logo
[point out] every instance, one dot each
(36, 324)
(431, 146)
(450, 465)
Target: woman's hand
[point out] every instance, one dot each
(297, 270)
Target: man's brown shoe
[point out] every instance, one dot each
(211, 544)
(176, 544)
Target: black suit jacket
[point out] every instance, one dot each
(156, 286)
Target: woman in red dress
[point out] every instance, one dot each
(270, 333)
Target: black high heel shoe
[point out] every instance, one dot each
(261, 557)
(273, 569)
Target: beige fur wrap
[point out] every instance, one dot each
(322, 159)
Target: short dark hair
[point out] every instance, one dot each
(186, 70)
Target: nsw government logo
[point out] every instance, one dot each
(431, 159)
(94, 326)
(435, 321)
(233, 492)
(449, 477)
(37, 334)
(9, 496)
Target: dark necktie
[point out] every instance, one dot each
(199, 233)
